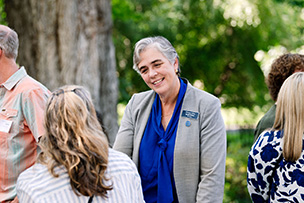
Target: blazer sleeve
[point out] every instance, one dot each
(125, 136)
(212, 154)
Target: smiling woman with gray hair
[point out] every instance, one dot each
(174, 133)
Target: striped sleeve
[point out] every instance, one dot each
(33, 110)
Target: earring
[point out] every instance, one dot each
(176, 70)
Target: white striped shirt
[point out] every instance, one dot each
(37, 184)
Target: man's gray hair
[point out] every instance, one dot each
(9, 43)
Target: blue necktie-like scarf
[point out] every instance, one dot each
(156, 153)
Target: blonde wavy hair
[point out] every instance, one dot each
(74, 139)
(290, 115)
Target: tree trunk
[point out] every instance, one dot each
(69, 42)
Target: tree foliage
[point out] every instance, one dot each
(216, 41)
(2, 13)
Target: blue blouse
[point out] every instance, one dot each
(270, 178)
(156, 153)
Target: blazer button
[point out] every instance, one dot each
(188, 123)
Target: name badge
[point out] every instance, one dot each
(5, 125)
(190, 114)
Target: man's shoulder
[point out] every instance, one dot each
(28, 80)
(30, 84)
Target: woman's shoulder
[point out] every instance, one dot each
(33, 177)
(270, 136)
(198, 94)
(270, 141)
(200, 100)
(34, 170)
(142, 95)
(119, 161)
(114, 154)
(141, 99)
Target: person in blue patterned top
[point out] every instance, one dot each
(275, 171)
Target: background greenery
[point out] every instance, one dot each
(238, 145)
(225, 48)
(222, 44)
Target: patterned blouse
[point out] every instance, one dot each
(270, 178)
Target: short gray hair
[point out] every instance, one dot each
(161, 44)
(9, 43)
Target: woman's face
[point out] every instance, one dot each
(157, 72)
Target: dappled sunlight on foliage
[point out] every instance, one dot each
(240, 12)
(266, 58)
(216, 40)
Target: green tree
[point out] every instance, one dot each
(2, 13)
(216, 40)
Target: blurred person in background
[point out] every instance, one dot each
(281, 69)
(22, 103)
(75, 163)
(275, 171)
(175, 132)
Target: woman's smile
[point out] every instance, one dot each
(158, 81)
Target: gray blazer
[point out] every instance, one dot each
(200, 149)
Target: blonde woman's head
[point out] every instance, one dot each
(290, 115)
(74, 139)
